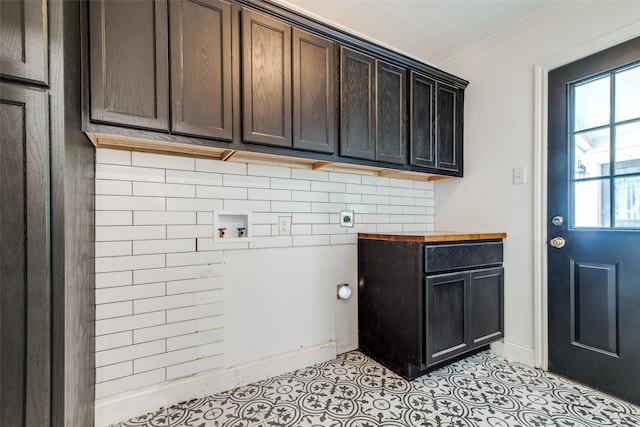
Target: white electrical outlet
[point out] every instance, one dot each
(284, 225)
(346, 219)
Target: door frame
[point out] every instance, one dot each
(541, 99)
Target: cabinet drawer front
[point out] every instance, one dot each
(458, 256)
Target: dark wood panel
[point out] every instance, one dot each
(25, 253)
(357, 109)
(448, 128)
(457, 256)
(448, 333)
(266, 73)
(314, 108)
(594, 305)
(24, 47)
(201, 68)
(129, 63)
(487, 306)
(422, 150)
(391, 129)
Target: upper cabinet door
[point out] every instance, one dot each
(313, 93)
(422, 147)
(449, 106)
(201, 98)
(129, 63)
(24, 41)
(357, 110)
(391, 132)
(266, 78)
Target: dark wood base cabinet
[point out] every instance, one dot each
(422, 305)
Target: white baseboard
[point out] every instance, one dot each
(514, 352)
(122, 407)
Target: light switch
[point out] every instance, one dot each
(519, 175)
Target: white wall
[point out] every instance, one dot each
(499, 135)
(180, 315)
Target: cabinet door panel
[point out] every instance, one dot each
(201, 68)
(357, 112)
(449, 128)
(391, 134)
(129, 63)
(447, 316)
(422, 130)
(313, 93)
(24, 46)
(266, 77)
(487, 306)
(25, 347)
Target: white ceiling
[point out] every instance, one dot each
(430, 30)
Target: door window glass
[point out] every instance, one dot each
(605, 132)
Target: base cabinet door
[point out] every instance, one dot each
(25, 271)
(487, 306)
(447, 305)
(129, 63)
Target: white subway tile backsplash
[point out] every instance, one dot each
(330, 187)
(188, 177)
(350, 178)
(195, 285)
(193, 204)
(198, 312)
(109, 280)
(107, 249)
(162, 218)
(230, 180)
(160, 282)
(290, 184)
(111, 372)
(267, 170)
(114, 218)
(116, 309)
(132, 262)
(263, 194)
(198, 338)
(206, 165)
(129, 203)
(113, 188)
(290, 207)
(129, 383)
(163, 246)
(129, 293)
(129, 323)
(111, 341)
(141, 232)
(208, 192)
(162, 161)
(128, 173)
(113, 157)
(151, 189)
(155, 333)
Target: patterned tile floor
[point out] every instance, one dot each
(355, 391)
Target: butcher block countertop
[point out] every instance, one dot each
(432, 236)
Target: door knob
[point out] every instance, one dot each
(557, 242)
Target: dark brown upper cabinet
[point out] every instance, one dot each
(129, 63)
(201, 98)
(422, 149)
(372, 114)
(449, 127)
(24, 35)
(314, 110)
(266, 78)
(435, 124)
